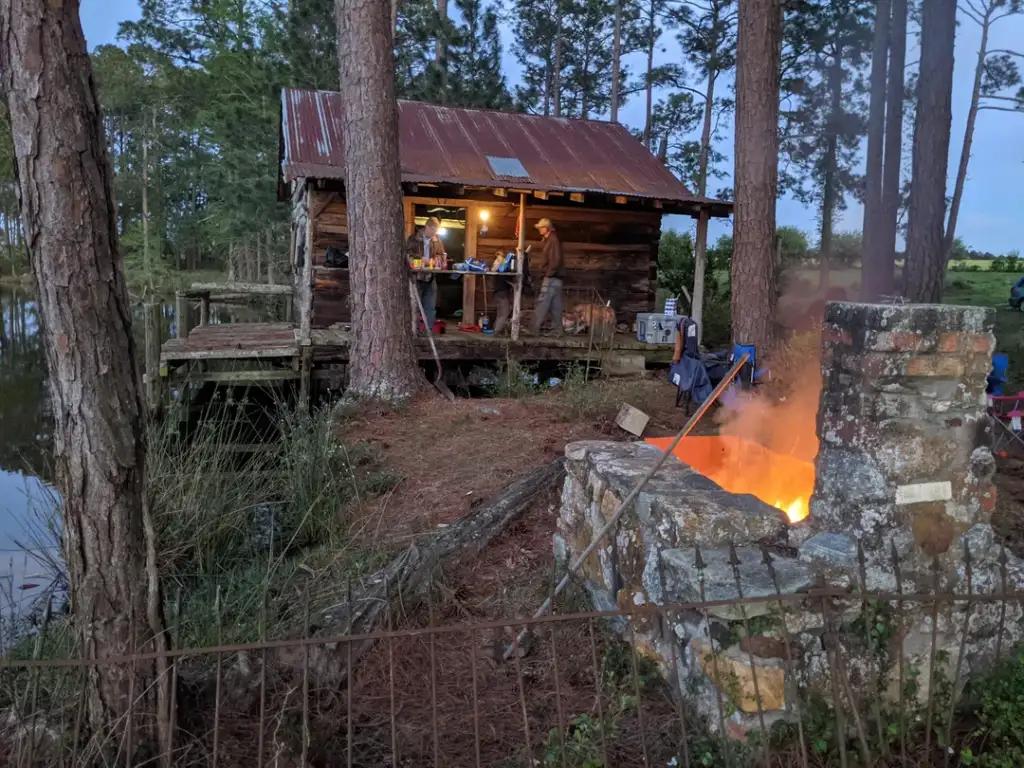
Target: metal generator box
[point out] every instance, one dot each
(656, 329)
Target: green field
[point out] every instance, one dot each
(960, 264)
(976, 289)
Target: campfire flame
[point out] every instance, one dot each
(767, 440)
(741, 466)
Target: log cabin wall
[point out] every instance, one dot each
(613, 252)
(330, 284)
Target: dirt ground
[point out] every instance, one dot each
(453, 456)
(1008, 518)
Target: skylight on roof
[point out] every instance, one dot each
(508, 167)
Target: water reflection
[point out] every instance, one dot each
(28, 531)
(28, 543)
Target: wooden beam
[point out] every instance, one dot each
(306, 294)
(540, 194)
(322, 204)
(181, 318)
(472, 247)
(700, 272)
(576, 197)
(173, 356)
(241, 376)
(199, 290)
(517, 296)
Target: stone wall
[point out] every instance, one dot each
(902, 500)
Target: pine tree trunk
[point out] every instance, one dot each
(876, 146)
(893, 171)
(616, 57)
(649, 108)
(146, 265)
(69, 215)
(557, 78)
(756, 176)
(926, 257)
(828, 192)
(965, 150)
(441, 49)
(382, 361)
(701, 246)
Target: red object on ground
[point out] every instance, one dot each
(470, 328)
(440, 326)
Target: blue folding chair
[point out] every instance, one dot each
(997, 378)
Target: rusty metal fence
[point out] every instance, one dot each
(438, 685)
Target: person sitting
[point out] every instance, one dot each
(426, 245)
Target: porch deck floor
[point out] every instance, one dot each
(256, 341)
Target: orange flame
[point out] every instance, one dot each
(741, 466)
(767, 440)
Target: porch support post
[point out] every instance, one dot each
(699, 271)
(517, 301)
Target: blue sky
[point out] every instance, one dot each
(992, 213)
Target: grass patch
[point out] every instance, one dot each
(234, 541)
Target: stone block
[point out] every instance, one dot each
(732, 672)
(682, 579)
(832, 549)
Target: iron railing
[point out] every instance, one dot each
(439, 684)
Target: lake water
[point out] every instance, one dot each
(27, 548)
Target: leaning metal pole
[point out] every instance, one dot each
(626, 502)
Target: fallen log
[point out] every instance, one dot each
(410, 574)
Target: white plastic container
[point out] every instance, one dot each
(652, 328)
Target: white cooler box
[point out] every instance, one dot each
(652, 328)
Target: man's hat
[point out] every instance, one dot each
(544, 223)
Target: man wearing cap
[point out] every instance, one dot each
(426, 245)
(550, 267)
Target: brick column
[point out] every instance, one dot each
(904, 437)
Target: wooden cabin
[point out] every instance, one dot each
(482, 172)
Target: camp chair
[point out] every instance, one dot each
(997, 378)
(690, 375)
(1007, 412)
(749, 376)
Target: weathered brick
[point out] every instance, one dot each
(830, 334)
(988, 499)
(970, 343)
(943, 366)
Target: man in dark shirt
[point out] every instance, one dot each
(550, 268)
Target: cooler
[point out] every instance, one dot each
(653, 328)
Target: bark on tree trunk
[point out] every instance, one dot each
(875, 156)
(145, 213)
(756, 176)
(892, 173)
(382, 361)
(701, 249)
(64, 178)
(649, 109)
(828, 192)
(965, 150)
(926, 262)
(441, 48)
(616, 57)
(557, 78)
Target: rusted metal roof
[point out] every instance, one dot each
(458, 146)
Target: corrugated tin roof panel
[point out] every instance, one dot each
(451, 145)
